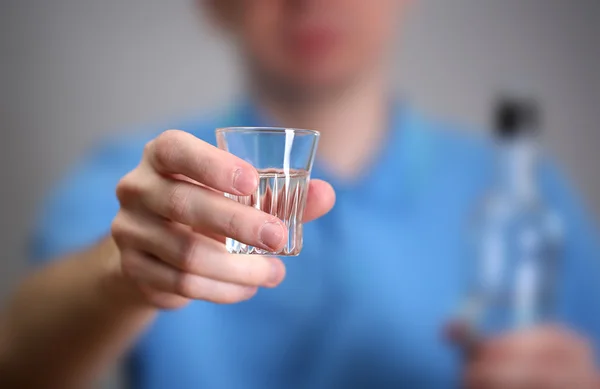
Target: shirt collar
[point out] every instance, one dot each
(405, 159)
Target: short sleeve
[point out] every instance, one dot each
(79, 210)
(579, 273)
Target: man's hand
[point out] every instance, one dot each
(174, 219)
(541, 358)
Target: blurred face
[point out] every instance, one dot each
(305, 46)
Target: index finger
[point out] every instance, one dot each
(178, 152)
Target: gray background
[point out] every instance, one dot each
(73, 71)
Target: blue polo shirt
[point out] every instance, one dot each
(364, 304)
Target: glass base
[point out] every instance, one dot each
(235, 247)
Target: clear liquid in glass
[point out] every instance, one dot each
(282, 194)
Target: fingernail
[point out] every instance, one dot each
(250, 291)
(274, 272)
(271, 235)
(244, 182)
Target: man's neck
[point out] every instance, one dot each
(353, 124)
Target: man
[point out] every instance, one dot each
(379, 276)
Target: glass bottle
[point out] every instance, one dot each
(514, 237)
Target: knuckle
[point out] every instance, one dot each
(186, 285)
(118, 227)
(166, 147)
(149, 148)
(127, 189)
(189, 253)
(205, 168)
(178, 201)
(233, 225)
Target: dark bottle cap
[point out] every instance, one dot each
(515, 117)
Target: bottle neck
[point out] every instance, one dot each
(517, 168)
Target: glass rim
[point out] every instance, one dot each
(266, 130)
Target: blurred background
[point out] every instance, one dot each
(74, 71)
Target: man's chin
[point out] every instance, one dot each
(317, 88)
(306, 84)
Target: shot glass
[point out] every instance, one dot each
(283, 158)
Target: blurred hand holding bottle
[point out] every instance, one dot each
(515, 238)
(508, 326)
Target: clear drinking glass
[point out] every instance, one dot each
(283, 158)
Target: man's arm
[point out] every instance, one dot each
(74, 317)
(70, 320)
